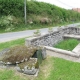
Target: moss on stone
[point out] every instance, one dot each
(19, 54)
(32, 62)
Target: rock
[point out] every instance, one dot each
(18, 69)
(29, 67)
(44, 55)
(17, 62)
(8, 63)
(30, 72)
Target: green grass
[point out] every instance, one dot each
(68, 44)
(60, 69)
(50, 69)
(64, 70)
(9, 75)
(12, 43)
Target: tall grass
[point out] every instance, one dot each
(68, 44)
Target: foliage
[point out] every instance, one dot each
(16, 8)
(69, 44)
(8, 22)
(37, 33)
(38, 13)
(11, 7)
(56, 14)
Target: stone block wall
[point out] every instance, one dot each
(53, 38)
(49, 39)
(74, 30)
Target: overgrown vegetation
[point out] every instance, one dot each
(38, 13)
(68, 44)
(37, 33)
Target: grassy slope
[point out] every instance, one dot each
(69, 44)
(36, 12)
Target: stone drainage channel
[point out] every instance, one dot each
(53, 38)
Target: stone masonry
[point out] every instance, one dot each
(55, 37)
(52, 38)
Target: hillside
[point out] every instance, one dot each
(38, 13)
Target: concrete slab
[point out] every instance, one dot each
(71, 36)
(77, 49)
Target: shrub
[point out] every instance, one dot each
(49, 14)
(8, 22)
(50, 29)
(12, 7)
(37, 33)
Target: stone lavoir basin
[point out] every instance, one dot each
(51, 39)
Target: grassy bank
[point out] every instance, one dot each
(39, 15)
(12, 43)
(68, 44)
(22, 27)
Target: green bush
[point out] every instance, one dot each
(54, 14)
(11, 7)
(8, 22)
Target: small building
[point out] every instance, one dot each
(76, 9)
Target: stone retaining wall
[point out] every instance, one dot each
(48, 39)
(52, 38)
(74, 30)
